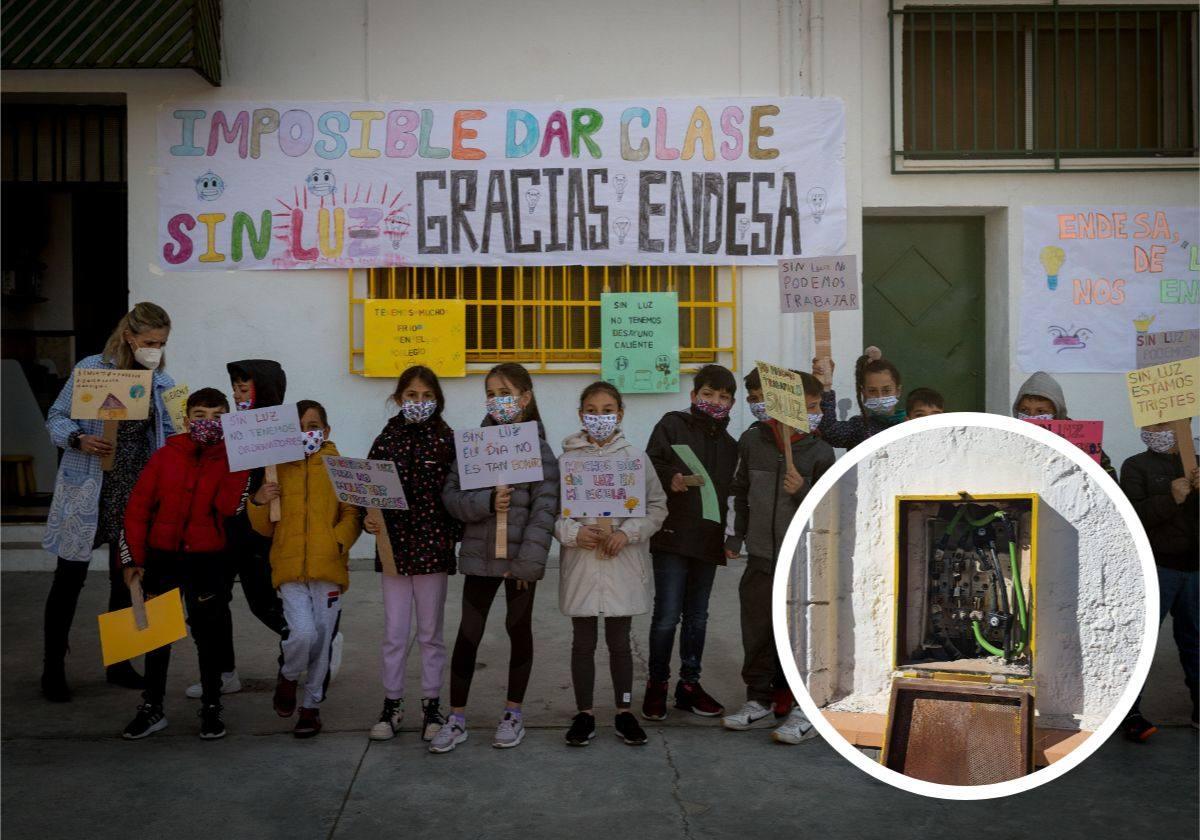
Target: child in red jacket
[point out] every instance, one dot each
(175, 537)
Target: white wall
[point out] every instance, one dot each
(1089, 599)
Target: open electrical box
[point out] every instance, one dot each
(965, 578)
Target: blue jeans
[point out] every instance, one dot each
(1179, 595)
(682, 587)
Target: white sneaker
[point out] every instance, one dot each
(795, 730)
(449, 736)
(230, 684)
(752, 714)
(389, 720)
(335, 655)
(509, 733)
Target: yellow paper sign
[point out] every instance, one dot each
(175, 399)
(1165, 392)
(120, 639)
(401, 333)
(783, 391)
(102, 394)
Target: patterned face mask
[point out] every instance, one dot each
(1161, 441)
(600, 426)
(503, 409)
(714, 410)
(814, 420)
(418, 411)
(245, 405)
(1021, 415)
(207, 431)
(759, 410)
(881, 405)
(313, 440)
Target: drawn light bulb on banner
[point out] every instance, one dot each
(619, 185)
(531, 199)
(622, 226)
(1052, 258)
(816, 202)
(1142, 323)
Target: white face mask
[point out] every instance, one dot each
(1021, 415)
(881, 405)
(313, 440)
(1160, 441)
(759, 410)
(814, 420)
(148, 357)
(600, 427)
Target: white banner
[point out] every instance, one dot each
(1095, 278)
(337, 184)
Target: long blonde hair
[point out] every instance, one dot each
(144, 316)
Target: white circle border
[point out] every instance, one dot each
(787, 657)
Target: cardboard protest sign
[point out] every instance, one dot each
(398, 334)
(783, 391)
(1165, 392)
(1097, 275)
(1086, 434)
(262, 437)
(121, 639)
(602, 485)
(365, 483)
(639, 341)
(175, 399)
(104, 394)
(490, 456)
(819, 284)
(1159, 347)
(710, 508)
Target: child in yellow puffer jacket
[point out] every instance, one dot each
(310, 553)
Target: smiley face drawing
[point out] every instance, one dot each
(210, 186)
(321, 182)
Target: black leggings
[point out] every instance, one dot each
(583, 659)
(478, 594)
(63, 598)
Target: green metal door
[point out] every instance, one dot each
(923, 302)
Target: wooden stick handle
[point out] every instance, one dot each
(1187, 448)
(383, 543)
(501, 531)
(821, 335)
(693, 480)
(786, 433)
(272, 476)
(138, 599)
(110, 435)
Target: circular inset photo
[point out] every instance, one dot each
(966, 606)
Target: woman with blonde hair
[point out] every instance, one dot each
(89, 503)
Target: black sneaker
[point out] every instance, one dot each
(148, 720)
(583, 730)
(1137, 728)
(211, 725)
(629, 731)
(434, 720)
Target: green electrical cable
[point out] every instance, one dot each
(983, 643)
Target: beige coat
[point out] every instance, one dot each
(591, 584)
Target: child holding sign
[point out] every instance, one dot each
(530, 509)
(690, 545)
(1041, 398)
(604, 562)
(877, 386)
(421, 445)
(174, 538)
(1167, 502)
(310, 553)
(766, 494)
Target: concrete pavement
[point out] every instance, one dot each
(66, 773)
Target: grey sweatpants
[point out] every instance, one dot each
(313, 611)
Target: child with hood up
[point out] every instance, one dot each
(1041, 398)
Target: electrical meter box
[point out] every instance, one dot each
(965, 602)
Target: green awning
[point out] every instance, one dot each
(113, 34)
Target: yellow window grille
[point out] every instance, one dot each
(548, 317)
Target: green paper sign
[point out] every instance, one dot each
(708, 493)
(639, 341)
